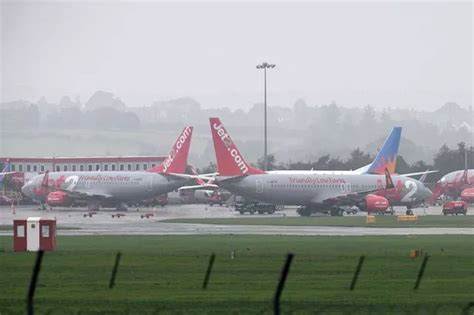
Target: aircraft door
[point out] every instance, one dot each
(149, 183)
(259, 185)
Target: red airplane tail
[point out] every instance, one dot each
(177, 160)
(229, 160)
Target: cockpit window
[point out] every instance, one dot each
(443, 179)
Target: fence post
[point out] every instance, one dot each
(466, 309)
(208, 272)
(114, 270)
(356, 273)
(281, 284)
(34, 280)
(421, 272)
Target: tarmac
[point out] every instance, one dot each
(72, 221)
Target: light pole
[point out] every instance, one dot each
(265, 66)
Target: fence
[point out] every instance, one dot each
(276, 303)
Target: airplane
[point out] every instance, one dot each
(312, 192)
(113, 188)
(456, 184)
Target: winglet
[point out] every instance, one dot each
(387, 156)
(230, 161)
(423, 177)
(178, 158)
(388, 180)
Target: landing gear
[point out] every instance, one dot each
(304, 211)
(409, 211)
(337, 212)
(392, 212)
(122, 207)
(93, 205)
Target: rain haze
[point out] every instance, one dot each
(400, 54)
(123, 78)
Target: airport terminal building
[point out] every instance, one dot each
(81, 164)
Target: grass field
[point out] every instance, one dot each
(165, 274)
(9, 227)
(381, 221)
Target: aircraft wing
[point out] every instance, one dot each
(418, 173)
(185, 176)
(77, 194)
(351, 198)
(348, 199)
(7, 173)
(204, 186)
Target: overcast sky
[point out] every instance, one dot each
(397, 54)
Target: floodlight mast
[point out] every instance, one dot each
(265, 66)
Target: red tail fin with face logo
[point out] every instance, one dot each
(177, 160)
(229, 160)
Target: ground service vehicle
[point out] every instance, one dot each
(243, 205)
(455, 207)
(216, 198)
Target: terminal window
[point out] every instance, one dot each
(74, 168)
(145, 166)
(13, 168)
(90, 168)
(106, 167)
(20, 168)
(113, 167)
(137, 167)
(97, 167)
(35, 168)
(122, 168)
(65, 168)
(42, 168)
(58, 169)
(81, 168)
(28, 168)
(129, 167)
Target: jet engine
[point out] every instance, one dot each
(58, 199)
(468, 195)
(373, 203)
